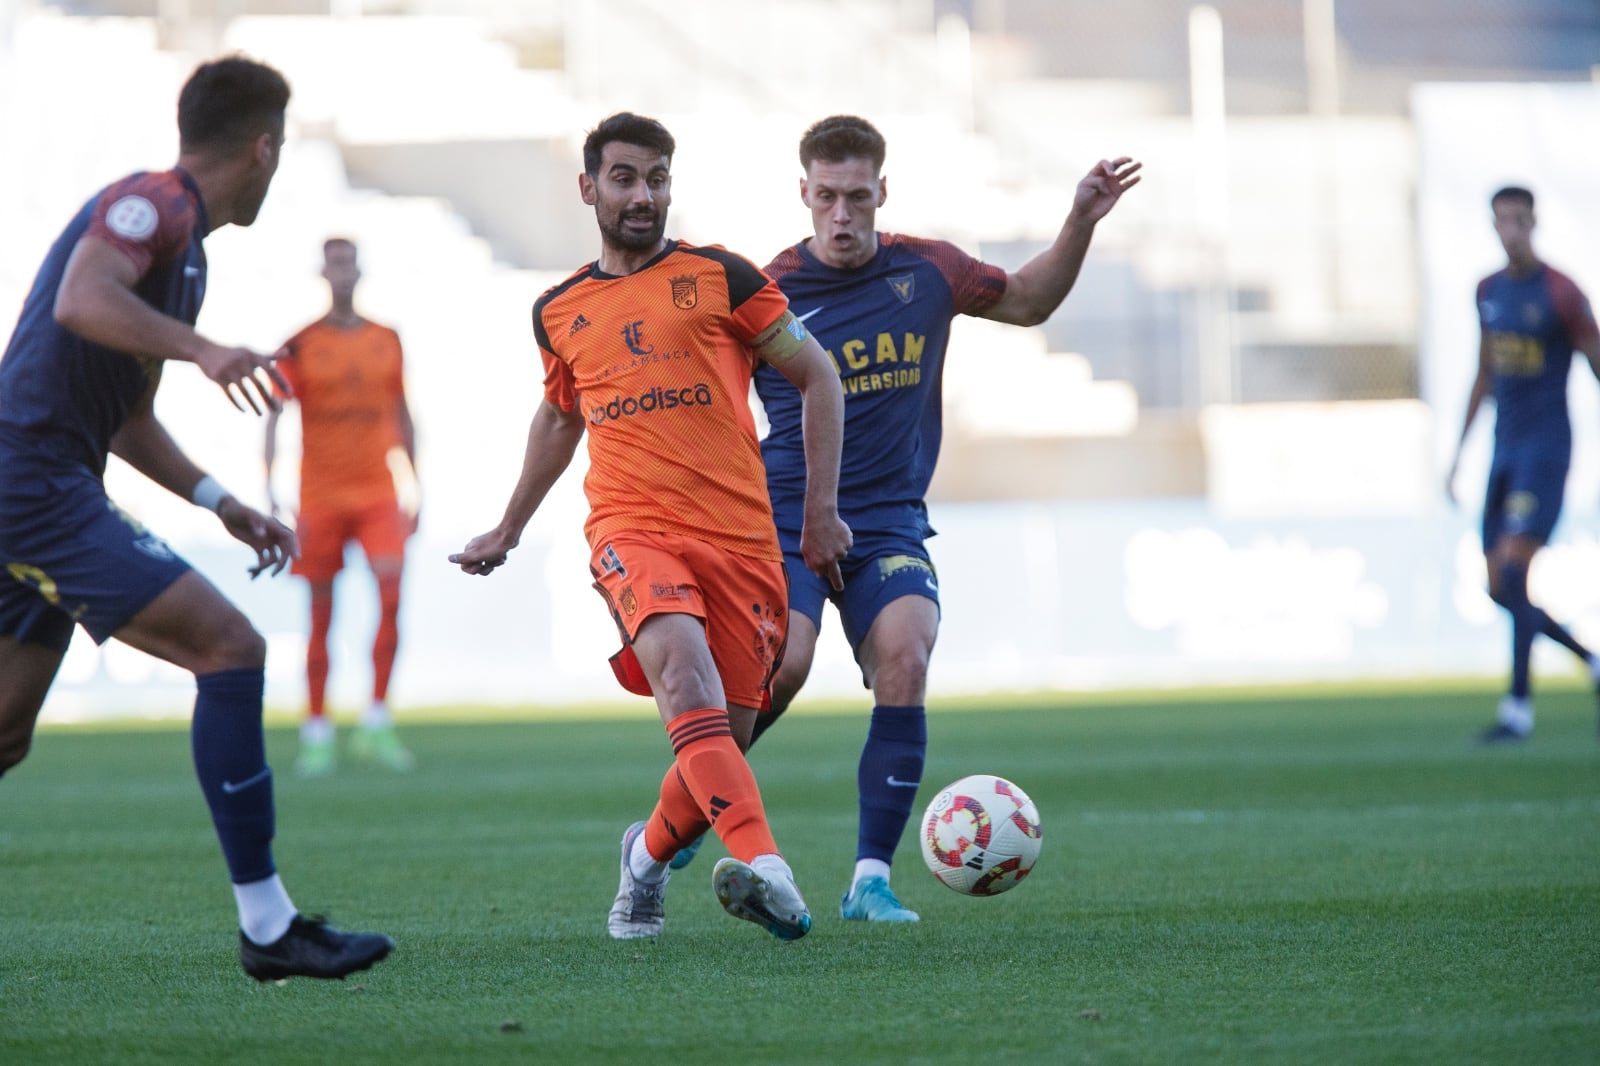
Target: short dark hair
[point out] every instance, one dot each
(1512, 192)
(229, 101)
(841, 137)
(627, 128)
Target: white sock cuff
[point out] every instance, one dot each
(265, 909)
(866, 868)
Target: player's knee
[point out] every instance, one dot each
(234, 645)
(787, 682)
(902, 667)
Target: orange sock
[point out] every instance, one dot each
(317, 650)
(387, 639)
(677, 819)
(713, 770)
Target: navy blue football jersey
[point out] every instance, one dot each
(886, 325)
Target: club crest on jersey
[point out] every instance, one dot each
(628, 601)
(684, 292)
(132, 217)
(903, 286)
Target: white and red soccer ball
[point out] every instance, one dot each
(981, 835)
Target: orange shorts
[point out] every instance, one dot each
(381, 530)
(743, 603)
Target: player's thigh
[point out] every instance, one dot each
(323, 532)
(894, 656)
(382, 531)
(655, 599)
(746, 604)
(672, 651)
(193, 626)
(891, 567)
(75, 551)
(1526, 493)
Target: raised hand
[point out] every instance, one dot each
(1103, 186)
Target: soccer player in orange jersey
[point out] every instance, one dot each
(347, 376)
(651, 348)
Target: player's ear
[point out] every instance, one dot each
(883, 190)
(263, 149)
(805, 193)
(587, 190)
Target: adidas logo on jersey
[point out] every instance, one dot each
(577, 324)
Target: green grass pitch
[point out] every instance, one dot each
(1294, 876)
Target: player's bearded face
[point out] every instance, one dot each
(631, 197)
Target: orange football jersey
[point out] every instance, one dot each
(350, 387)
(659, 364)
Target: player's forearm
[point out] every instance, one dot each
(551, 445)
(1044, 281)
(822, 423)
(144, 444)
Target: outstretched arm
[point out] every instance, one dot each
(97, 301)
(1035, 291)
(144, 444)
(552, 439)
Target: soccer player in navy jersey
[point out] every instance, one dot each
(115, 300)
(1531, 318)
(882, 304)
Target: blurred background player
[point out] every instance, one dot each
(881, 304)
(347, 375)
(652, 347)
(1531, 317)
(116, 297)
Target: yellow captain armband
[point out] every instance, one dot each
(781, 341)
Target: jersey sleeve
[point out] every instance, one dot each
(1573, 308)
(975, 286)
(754, 300)
(559, 387)
(785, 262)
(149, 217)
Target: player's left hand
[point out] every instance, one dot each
(823, 544)
(485, 553)
(274, 542)
(1103, 186)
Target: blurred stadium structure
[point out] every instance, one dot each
(1219, 461)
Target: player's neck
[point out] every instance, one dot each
(620, 262)
(1523, 265)
(342, 316)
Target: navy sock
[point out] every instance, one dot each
(887, 778)
(231, 761)
(1524, 624)
(1558, 633)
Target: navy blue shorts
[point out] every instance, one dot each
(69, 555)
(879, 569)
(1526, 489)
